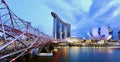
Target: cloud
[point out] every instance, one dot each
(116, 12)
(70, 11)
(83, 15)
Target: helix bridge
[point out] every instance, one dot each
(18, 36)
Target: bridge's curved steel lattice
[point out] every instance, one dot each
(16, 35)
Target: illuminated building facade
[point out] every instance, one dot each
(61, 30)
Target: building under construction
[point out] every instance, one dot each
(61, 30)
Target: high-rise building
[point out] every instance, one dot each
(119, 34)
(110, 32)
(61, 29)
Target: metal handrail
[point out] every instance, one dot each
(1, 48)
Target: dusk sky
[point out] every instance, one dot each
(83, 15)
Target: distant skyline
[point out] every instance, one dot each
(83, 15)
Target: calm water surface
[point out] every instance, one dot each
(82, 54)
(87, 54)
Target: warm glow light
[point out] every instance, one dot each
(76, 50)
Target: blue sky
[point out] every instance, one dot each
(83, 15)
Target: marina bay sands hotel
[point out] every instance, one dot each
(61, 30)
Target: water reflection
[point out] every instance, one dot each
(61, 55)
(87, 54)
